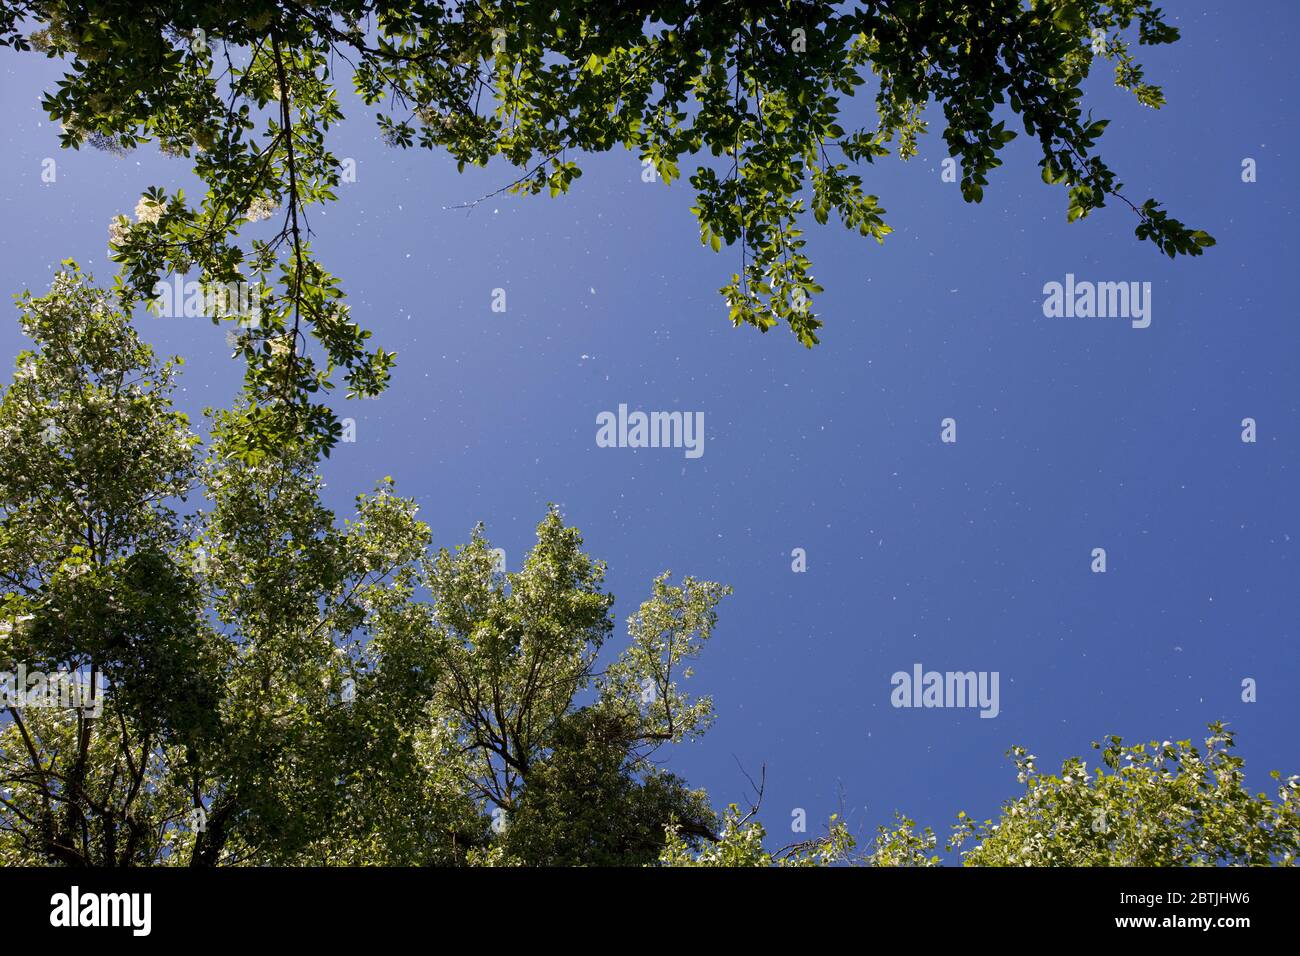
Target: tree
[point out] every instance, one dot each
(1161, 804)
(319, 760)
(568, 785)
(92, 458)
(279, 689)
(1155, 804)
(758, 96)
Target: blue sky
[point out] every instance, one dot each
(1072, 433)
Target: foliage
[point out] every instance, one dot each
(568, 786)
(1163, 804)
(339, 694)
(1160, 804)
(759, 97)
(741, 844)
(285, 689)
(93, 461)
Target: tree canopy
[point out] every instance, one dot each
(1159, 804)
(285, 689)
(282, 687)
(756, 103)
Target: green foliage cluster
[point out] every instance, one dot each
(330, 692)
(340, 693)
(1148, 805)
(326, 693)
(762, 99)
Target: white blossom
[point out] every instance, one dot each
(259, 209)
(148, 211)
(118, 229)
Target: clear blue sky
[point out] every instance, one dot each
(1072, 433)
